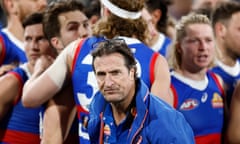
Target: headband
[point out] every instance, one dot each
(122, 13)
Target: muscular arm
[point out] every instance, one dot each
(60, 109)
(39, 89)
(6, 68)
(161, 84)
(233, 130)
(58, 117)
(9, 92)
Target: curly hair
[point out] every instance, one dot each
(115, 26)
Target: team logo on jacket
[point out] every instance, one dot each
(189, 104)
(107, 130)
(217, 101)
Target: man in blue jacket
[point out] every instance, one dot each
(124, 111)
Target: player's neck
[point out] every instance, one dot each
(198, 76)
(15, 27)
(154, 40)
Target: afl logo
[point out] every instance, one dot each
(189, 104)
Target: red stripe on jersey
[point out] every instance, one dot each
(175, 97)
(18, 137)
(218, 83)
(80, 109)
(20, 80)
(77, 52)
(208, 139)
(3, 52)
(152, 67)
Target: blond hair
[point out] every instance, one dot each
(174, 57)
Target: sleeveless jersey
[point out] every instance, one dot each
(229, 80)
(162, 44)
(10, 52)
(20, 125)
(84, 82)
(203, 109)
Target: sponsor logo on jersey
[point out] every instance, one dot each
(204, 97)
(189, 104)
(217, 101)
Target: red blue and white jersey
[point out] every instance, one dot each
(202, 106)
(11, 53)
(84, 82)
(162, 44)
(230, 77)
(20, 125)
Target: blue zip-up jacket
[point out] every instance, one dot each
(155, 122)
(85, 84)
